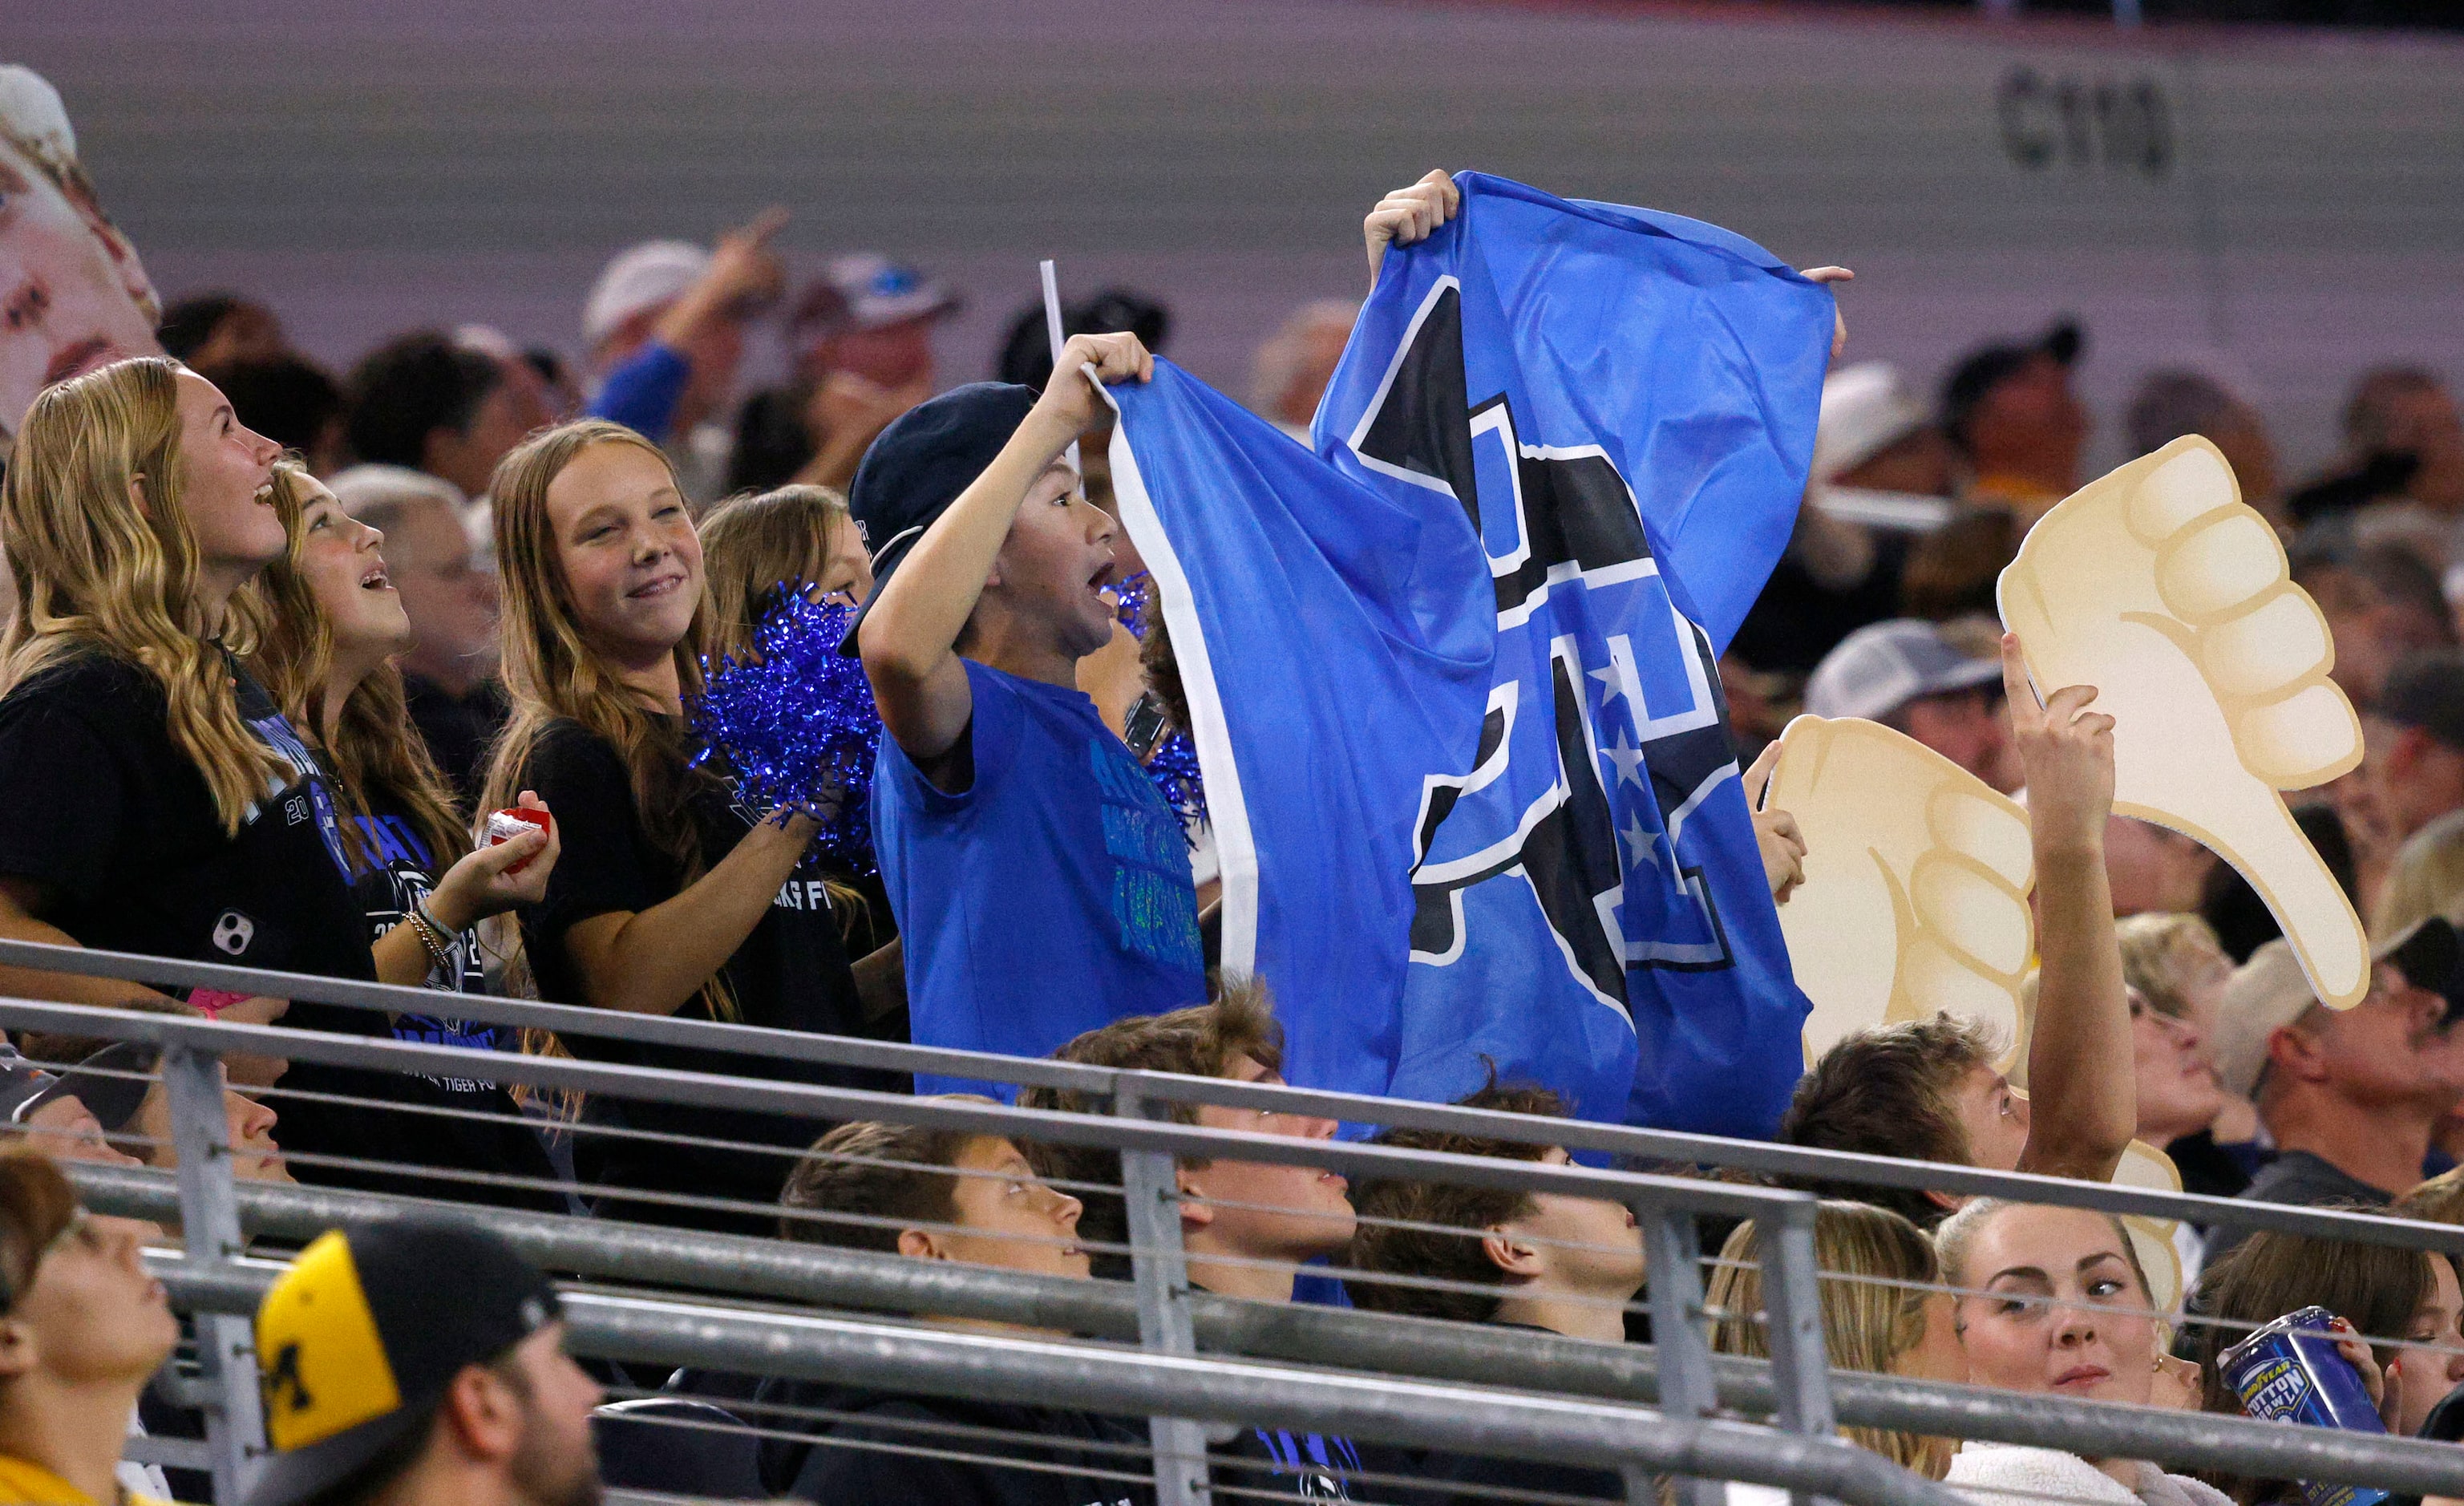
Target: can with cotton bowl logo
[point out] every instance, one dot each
(2291, 1372)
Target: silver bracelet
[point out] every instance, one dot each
(438, 941)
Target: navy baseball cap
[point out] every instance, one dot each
(112, 1084)
(919, 465)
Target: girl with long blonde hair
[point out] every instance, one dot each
(153, 797)
(334, 626)
(1882, 1312)
(672, 898)
(754, 545)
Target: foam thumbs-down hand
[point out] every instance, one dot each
(2157, 586)
(1900, 843)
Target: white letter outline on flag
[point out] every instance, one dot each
(1227, 802)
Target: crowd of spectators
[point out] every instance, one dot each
(466, 577)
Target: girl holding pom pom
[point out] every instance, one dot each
(334, 624)
(752, 545)
(672, 899)
(755, 548)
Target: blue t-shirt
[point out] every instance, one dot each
(1053, 896)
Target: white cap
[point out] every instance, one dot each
(489, 340)
(2263, 995)
(867, 291)
(640, 277)
(30, 110)
(1882, 666)
(1866, 408)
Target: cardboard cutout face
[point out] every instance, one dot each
(2160, 588)
(1901, 844)
(72, 294)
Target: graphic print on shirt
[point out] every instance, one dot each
(1320, 1462)
(1151, 899)
(394, 878)
(307, 795)
(804, 889)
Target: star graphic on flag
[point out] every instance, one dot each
(1642, 844)
(1628, 760)
(1615, 684)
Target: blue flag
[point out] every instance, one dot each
(1455, 674)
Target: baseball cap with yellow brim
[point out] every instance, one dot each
(357, 1341)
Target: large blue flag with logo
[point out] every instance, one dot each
(1454, 674)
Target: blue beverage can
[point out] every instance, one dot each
(2290, 1372)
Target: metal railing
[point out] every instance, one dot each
(1329, 1337)
(1133, 1381)
(1172, 1322)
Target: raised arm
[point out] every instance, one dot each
(742, 269)
(1776, 832)
(1409, 214)
(2084, 1101)
(910, 631)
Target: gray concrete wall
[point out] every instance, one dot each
(2286, 207)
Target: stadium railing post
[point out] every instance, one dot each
(1159, 1269)
(209, 1227)
(1792, 1310)
(1673, 1258)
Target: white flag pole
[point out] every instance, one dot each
(1052, 330)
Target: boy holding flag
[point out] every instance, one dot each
(1021, 843)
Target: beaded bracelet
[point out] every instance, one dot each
(434, 936)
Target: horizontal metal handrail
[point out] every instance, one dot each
(815, 1346)
(811, 1101)
(1133, 1382)
(561, 1019)
(1772, 1160)
(1801, 1162)
(1331, 1338)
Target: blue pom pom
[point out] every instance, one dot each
(1174, 763)
(795, 724)
(1174, 769)
(1135, 594)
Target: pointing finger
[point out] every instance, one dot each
(2016, 689)
(766, 224)
(1758, 778)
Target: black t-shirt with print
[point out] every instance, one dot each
(396, 869)
(791, 973)
(104, 812)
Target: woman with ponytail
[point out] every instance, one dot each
(334, 625)
(672, 898)
(153, 798)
